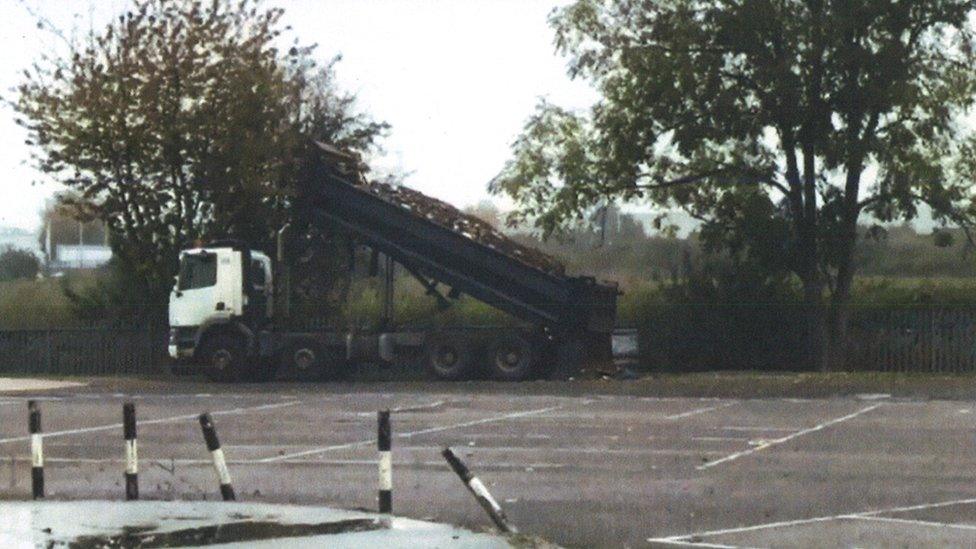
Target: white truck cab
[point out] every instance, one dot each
(215, 287)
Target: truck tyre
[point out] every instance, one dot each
(512, 358)
(306, 360)
(448, 356)
(223, 357)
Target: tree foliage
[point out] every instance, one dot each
(775, 122)
(184, 120)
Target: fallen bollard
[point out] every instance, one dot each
(384, 443)
(131, 451)
(480, 492)
(37, 449)
(220, 464)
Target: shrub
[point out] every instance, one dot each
(34, 304)
(16, 263)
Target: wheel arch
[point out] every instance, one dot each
(215, 326)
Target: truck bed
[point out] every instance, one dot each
(435, 240)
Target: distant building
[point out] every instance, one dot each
(79, 256)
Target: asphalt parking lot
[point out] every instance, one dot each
(579, 470)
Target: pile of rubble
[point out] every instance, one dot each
(443, 214)
(467, 225)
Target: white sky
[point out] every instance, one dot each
(456, 79)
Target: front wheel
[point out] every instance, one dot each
(223, 357)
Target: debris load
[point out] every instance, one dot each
(441, 213)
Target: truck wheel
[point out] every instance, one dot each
(448, 357)
(222, 356)
(512, 358)
(306, 360)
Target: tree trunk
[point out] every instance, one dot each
(840, 309)
(838, 324)
(814, 326)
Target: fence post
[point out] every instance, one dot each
(220, 463)
(37, 449)
(384, 445)
(131, 451)
(480, 492)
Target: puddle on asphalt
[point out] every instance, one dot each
(149, 536)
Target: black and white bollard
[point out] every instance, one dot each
(220, 463)
(131, 451)
(480, 492)
(37, 449)
(385, 445)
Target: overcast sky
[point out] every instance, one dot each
(455, 78)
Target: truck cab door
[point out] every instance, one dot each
(195, 295)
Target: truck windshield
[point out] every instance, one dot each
(198, 271)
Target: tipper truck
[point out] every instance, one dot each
(222, 309)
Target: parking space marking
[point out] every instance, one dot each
(502, 436)
(482, 421)
(774, 442)
(337, 462)
(172, 419)
(700, 411)
(696, 537)
(409, 434)
(411, 408)
(754, 428)
(686, 543)
(912, 522)
(919, 507)
(576, 450)
(315, 451)
(740, 529)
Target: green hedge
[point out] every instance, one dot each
(680, 334)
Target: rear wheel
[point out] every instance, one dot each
(513, 358)
(223, 357)
(448, 356)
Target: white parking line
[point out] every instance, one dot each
(359, 443)
(480, 421)
(337, 462)
(912, 522)
(919, 507)
(154, 421)
(753, 428)
(787, 438)
(573, 450)
(699, 411)
(767, 526)
(696, 536)
(410, 408)
(687, 543)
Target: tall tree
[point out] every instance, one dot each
(184, 120)
(777, 123)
